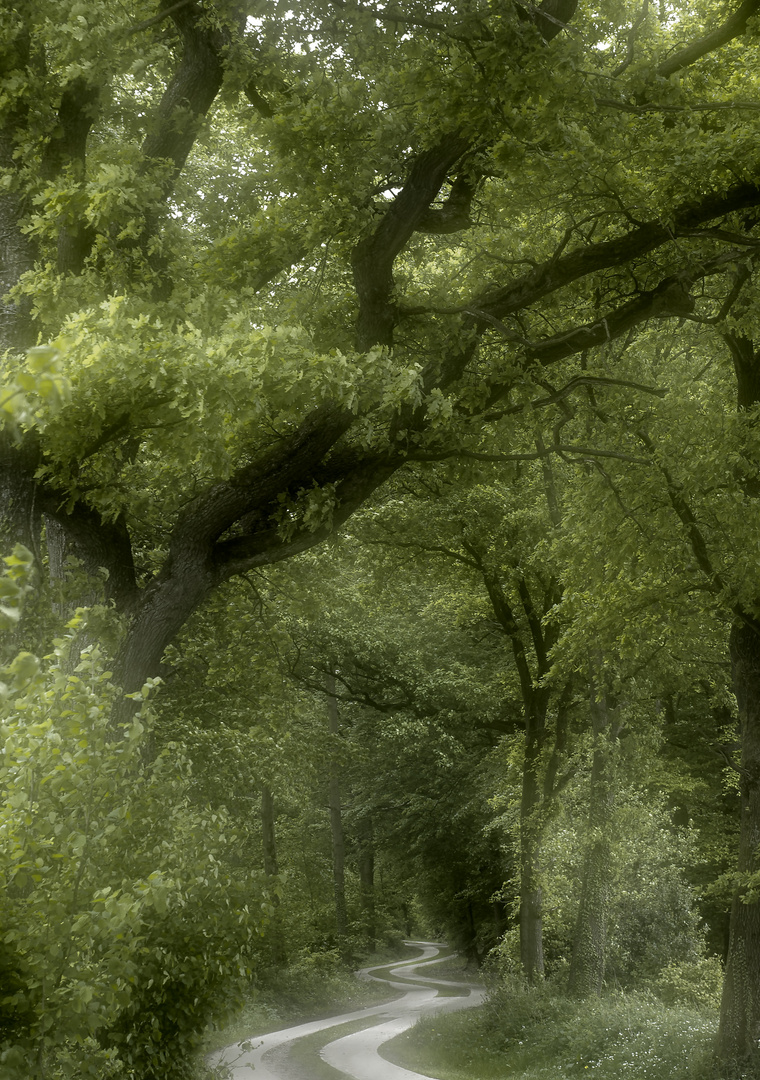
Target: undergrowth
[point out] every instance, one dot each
(312, 986)
(535, 1034)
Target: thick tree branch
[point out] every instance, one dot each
(746, 369)
(732, 28)
(505, 616)
(399, 18)
(558, 448)
(454, 214)
(670, 299)
(540, 644)
(551, 17)
(262, 544)
(374, 255)
(68, 141)
(699, 106)
(631, 43)
(67, 146)
(161, 17)
(190, 93)
(558, 273)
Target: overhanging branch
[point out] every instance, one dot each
(733, 27)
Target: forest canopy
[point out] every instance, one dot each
(451, 309)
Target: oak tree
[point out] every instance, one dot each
(284, 254)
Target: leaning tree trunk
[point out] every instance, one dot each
(590, 938)
(739, 1031)
(336, 819)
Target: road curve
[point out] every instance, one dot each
(357, 1055)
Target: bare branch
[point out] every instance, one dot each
(429, 549)
(555, 274)
(393, 15)
(569, 388)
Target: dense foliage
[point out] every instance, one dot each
(379, 395)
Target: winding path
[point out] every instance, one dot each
(357, 1055)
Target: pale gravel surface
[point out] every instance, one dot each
(357, 1055)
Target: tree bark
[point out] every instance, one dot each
(739, 1032)
(738, 1042)
(336, 818)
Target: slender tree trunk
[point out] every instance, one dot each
(272, 870)
(531, 830)
(336, 819)
(472, 952)
(590, 939)
(739, 1031)
(366, 861)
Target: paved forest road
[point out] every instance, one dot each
(357, 1055)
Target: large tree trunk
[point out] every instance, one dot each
(739, 1032)
(590, 938)
(336, 819)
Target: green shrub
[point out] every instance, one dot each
(620, 1036)
(314, 982)
(122, 930)
(632, 1036)
(699, 984)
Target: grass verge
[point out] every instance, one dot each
(303, 1054)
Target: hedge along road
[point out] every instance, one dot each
(357, 1055)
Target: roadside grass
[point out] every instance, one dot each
(535, 1035)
